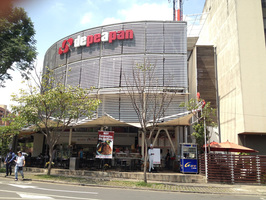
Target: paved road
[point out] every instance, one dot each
(10, 189)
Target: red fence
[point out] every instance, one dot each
(227, 168)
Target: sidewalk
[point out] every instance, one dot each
(206, 188)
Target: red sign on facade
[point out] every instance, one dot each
(96, 38)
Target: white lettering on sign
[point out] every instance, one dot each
(103, 37)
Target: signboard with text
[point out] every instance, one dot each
(104, 148)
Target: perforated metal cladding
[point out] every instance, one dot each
(105, 65)
(121, 107)
(155, 39)
(127, 112)
(110, 103)
(174, 70)
(89, 73)
(110, 71)
(175, 38)
(128, 63)
(75, 53)
(60, 74)
(116, 46)
(137, 45)
(73, 74)
(50, 57)
(60, 59)
(94, 49)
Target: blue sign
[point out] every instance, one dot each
(189, 165)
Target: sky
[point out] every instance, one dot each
(56, 19)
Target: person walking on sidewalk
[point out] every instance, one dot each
(151, 155)
(20, 160)
(10, 157)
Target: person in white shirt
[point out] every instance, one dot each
(20, 163)
(151, 155)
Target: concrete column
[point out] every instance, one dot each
(185, 135)
(70, 137)
(177, 139)
(37, 144)
(181, 138)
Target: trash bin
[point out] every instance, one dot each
(73, 163)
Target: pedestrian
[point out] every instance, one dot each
(9, 161)
(151, 156)
(20, 163)
(167, 159)
(81, 155)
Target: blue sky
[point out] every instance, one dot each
(56, 19)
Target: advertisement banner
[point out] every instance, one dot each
(104, 148)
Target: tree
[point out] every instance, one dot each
(201, 112)
(149, 100)
(7, 133)
(17, 43)
(51, 106)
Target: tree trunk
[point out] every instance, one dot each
(50, 159)
(145, 159)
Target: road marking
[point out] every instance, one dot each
(53, 190)
(50, 195)
(29, 196)
(23, 186)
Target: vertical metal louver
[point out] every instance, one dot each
(128, 63)
(94, 49)
(60, 59)
(137, 45)
(73, 74)
(105, 65)
(155, 39)
(110, 72)
(75, 53)
(60, 74)
(89, 73)
(175, 70)
(175, 38)
(116, 46)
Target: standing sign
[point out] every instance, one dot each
(104, 148)
(157, 156)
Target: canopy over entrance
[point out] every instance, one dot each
(108, 120)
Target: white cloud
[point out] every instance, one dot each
(111, 20)
(86, 19)
(58, 7)
(147, 12)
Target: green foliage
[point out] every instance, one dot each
(208, 113)
(51, 106)
(17, 43)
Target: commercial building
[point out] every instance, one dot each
(103, 57)
(231, 49)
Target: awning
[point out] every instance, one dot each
(108, 120)
(181, 121)
(105, 120)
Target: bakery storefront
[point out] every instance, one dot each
(100, 57)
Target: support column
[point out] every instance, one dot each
(185, 134)
(70, 137)
(177, 139)
(181, 135)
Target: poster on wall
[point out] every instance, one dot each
(104, 148)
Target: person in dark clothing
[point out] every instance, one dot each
(167, 160)
(10, 157)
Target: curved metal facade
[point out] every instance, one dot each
(102, 64)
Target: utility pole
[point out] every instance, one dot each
(177, 10)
